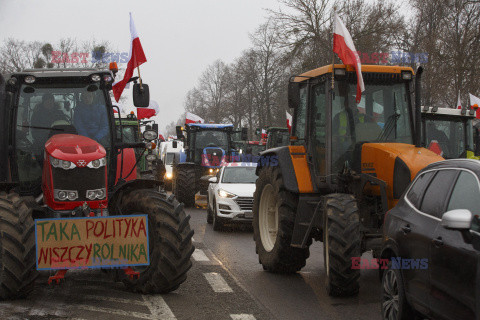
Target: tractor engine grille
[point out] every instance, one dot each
(80, 179)
(245, 203)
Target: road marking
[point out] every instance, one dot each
(217, 282)
(158, 307)
(129, 314)
(113, 299)
(199, 255)
(242, 316)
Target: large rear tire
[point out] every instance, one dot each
(170, 241)
(17, 247)
(341, 243)
(274, 210)
(185, 187)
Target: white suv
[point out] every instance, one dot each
(230, 194)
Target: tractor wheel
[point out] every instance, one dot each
(341, 242)
(274, 211)
(185, 185)
(170, 241)
(209, 212)
(17, 248)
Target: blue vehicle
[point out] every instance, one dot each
(207, 147)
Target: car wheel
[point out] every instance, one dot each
(217, 221)
(394, 303)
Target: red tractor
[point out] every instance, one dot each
(62, 158)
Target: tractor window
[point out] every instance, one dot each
(447, 137)
(381, 116)
(210, 139)
(319, 128)
(301, 114)
(48, 109)
(129, 133)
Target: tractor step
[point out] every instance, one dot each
(59, 276)
(132, 274)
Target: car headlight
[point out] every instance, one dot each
(168, 175)
(149, 135)
(95, 164)
(225, 194)
(64, 164)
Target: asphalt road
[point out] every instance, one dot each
(225, 282)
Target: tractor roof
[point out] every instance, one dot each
(210, 125)
(365, 69)
(447, 112)
(57, 72)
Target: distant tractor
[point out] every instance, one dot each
(206, 148)
(448, 132)
(277, 137)
(252, 147)
(348, 164)
(62, 159)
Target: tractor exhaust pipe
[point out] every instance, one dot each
(418, 112)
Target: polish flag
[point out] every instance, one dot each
(264, 134)
(289, 122)
(345, 49)
(137, 57)
(459, 103)
(193, 118)
(152, 110)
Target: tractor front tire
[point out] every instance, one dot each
(274, 211)
(17, 248)
(170, 241)
(185, 187)
(341, 243)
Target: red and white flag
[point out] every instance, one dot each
(264, 134)
(345, 49)
(289, 122)
(475, 104)
(193, 118)
(459, 103)
(152, 110)
(137, 57)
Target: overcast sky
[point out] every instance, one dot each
(180, 38)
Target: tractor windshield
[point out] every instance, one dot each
(48, 109)
(381, 116)
(448, 137)
(210, 139)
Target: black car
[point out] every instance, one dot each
(432, 243)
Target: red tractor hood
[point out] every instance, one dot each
(74, 148)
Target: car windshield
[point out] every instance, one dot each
(239, 175)
(169, 158)
(48, 109)
(450, 136)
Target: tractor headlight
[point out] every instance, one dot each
(149, 135)
(96, 194)
(63, 195)
(151, 157)
(210, 170)
(95, 164)
(95, 78)
(29, 79)
(225, 194)
(64, 164)
(169, 175)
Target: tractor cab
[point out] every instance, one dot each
(448, 132)
(206, 148)
(277, 137)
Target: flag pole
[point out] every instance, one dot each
(140, 78)
(333, 53)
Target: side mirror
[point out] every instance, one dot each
(179, 132)
(174, 144)
(293, 94)
(212, 180)
(155, 127)
(141, 95)
(244, 134)
(457, 219)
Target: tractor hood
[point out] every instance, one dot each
(74, 148)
